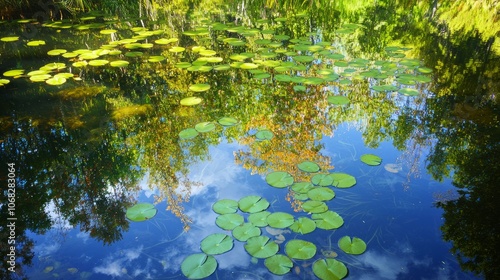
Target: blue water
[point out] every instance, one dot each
(392, 212)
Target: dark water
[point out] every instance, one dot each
(108, 137)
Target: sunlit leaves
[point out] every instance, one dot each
(300, 249)
(217, 243)
(198, 266)
(353, 246)
(261, 247)
(253, 204)
(141, 212)
(371, 159)
(279, 179)
(279, 264)
(191, 101)
(329, 269)
(199, 87)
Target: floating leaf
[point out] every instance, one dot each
(245, 231)
(188, 133)
(225, 206)
(229, 221)
(261, 247)
(4, 82)
(227, 121)
(279, 264)
(322, 180)
(98, 62)
(199, 87)
(264, 135)
(56, 52)
(313, 206)
(9, 39)
(342, 180)
(300, 249)
(253, 204)
(328, 220)
(119, 63)
(55, 81)
(248, 66)
(338, 100)
(329, 269)
(280, 220)
(107, 31)
(321, 194)
(191, 101)
(217, 243)
(279, 179)
(176, 49)
(408, 91)
(303, 225)
(371, 159)
(204, 127)
(156, 58)
(198, 266)
(309, 166)
(141, 212)
(355, 246)
(36, 43)
(302, 187)
(259, 219)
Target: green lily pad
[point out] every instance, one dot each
(141, 212)
(313, 206)
(56, 81)
(259, 219)
(4, 82)
(371, 159)
(261, 247)
(321, 194)
(165, 41)
(322, 180)
(198, 266)
(13, 73)
(191, 101)
(199, 87)
(279, 179)
(133, 54)
(156, 58)
(107, 31)
(279, 264)
(204, 127)
(248, 66)
(328, 220)
(176, 49)
(56, 52)
(9, 39)
(280, 220)
(245, 231)
(356, 246)
(229, 221)
(188, 133)
(309, 166)
(303, 225)
(119, 63)
(253, 204)
(264, 135)
(183, 65)
(227, 121)
(98, 62)
(342, 180)
(409, 91)
(300, 249)
(217, 243)
(225, 206)
(338, 100)
(302, 187)
(329, 269)
(35, 43)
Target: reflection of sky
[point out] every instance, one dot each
(400, 226)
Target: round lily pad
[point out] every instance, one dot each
(279, 264)
(227, 121)
(141, 212)
(9, 39)
(408, 91)
(176, 49)
(199, 87)
(302, 187)
(188, 133)
(229, 221)
(342, 180)
(322, 180)
(356, 246)
(245, 231)
(55, 81)
(40, 77)
(328, 220)
(225, 206)
(253, 204)
(313, 206)
(198, 266)
(204, 127)
(338, 100)
(261, 247)
(303, 225)
(217, 243)
(35, 43)
(259, 219)
(13, 73)
(191, 101)
(264, 134)
(156, 58)
(119, 63)
(98, 62)
(309, 166)
(279, 179)
(371, 159)
(321, 194)
(329, 269)
(280, 220)
(4, 82)
(300, 249)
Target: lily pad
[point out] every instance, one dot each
(13, 73)
(141, 212)
(371, 159)
(229, 221)
(313, 206)
(191, 101)
(279, 264)
(98, 62)
(204, 127)
(225, 206)
(356, 246)
(321, 194)
(227, 121)
(264, 135)
(56, 81)
(176, 49)
(156, 58)
(329, 269)
(188, 133)
(259, 219)
(217, 243)
(253, 204)
(302, 187)
(303, 225)
(328, 220)
(279, 179)
(408, 91)
(35, 43)
(342, 180)
(322, 180)
(300, 249)
(199, 87)
(309, 166)
(338, 100)
(280, 220)
(261, 247)
(9, 39)
(119, 63)
(245, 231)
(4, 82)
(198, 266)
(56, 52)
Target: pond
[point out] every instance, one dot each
(239, 142)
